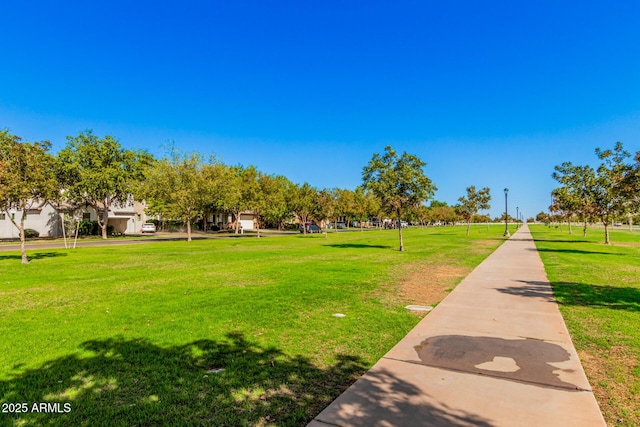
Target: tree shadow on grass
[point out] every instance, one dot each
(562, 241)
(568, 293)
(132, 382)
(582, 294)
(576, 251)
(231, 382)
(33, 256)
(357, 245)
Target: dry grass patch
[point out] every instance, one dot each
(430, 284)
(607, 371)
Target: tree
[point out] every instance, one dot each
(99, 172)
(576, 195)
(475, 201)
(180, 186)
(303, 202)
(602, 192)
(275, 208)
(364, 204)
(631, 188)
(326, 204)
(241, 192)
(398, 181)
(27, 179)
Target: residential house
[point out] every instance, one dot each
(47, 219)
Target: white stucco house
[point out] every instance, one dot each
(47, 218)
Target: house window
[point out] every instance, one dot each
(3, 217)
(139, 217)
(86, 216)
(13, 216)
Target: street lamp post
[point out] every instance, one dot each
(517, 217)
(506, 214)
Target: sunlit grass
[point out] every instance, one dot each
(131, 335)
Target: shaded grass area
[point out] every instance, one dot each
(598, 288)
(136, 334)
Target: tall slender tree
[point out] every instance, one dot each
(474, 202)
(399, 182)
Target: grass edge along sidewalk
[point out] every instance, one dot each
(495, 352)
(598, 290)
(218, 332)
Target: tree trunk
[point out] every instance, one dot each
(236, 225)
(570, 230)
(584, 230)
(468, 226)
(188, 228)
(258, 226)
(400, 232)
(105, 218)
(606, 233)
(23, 250)
(20, 228)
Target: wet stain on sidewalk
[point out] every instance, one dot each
(522, 360)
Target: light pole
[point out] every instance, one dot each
(506, 214)
(517, 218)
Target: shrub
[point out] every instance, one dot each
(30, 233)
(88, 228)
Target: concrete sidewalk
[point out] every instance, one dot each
(495, 352)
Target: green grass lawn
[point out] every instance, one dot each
(134, 335)
(598, 288)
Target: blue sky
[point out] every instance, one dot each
(487, 93)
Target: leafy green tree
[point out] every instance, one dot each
(542, 217)
(631, 188)
(603, 192)
(474, 202)
(303, 203)
(326, 204)
(27, 179)
(241, 192)
(364, 204)
(576, 196)
(179, 186)
(344, 204)
(275, 208)
(398, 181)
(100, 172)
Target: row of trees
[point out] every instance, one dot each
(100, 173)
(604, 194)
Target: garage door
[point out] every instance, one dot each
(246, 222)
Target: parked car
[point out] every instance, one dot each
(404, 224)
(149, 227)
(311, 228)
